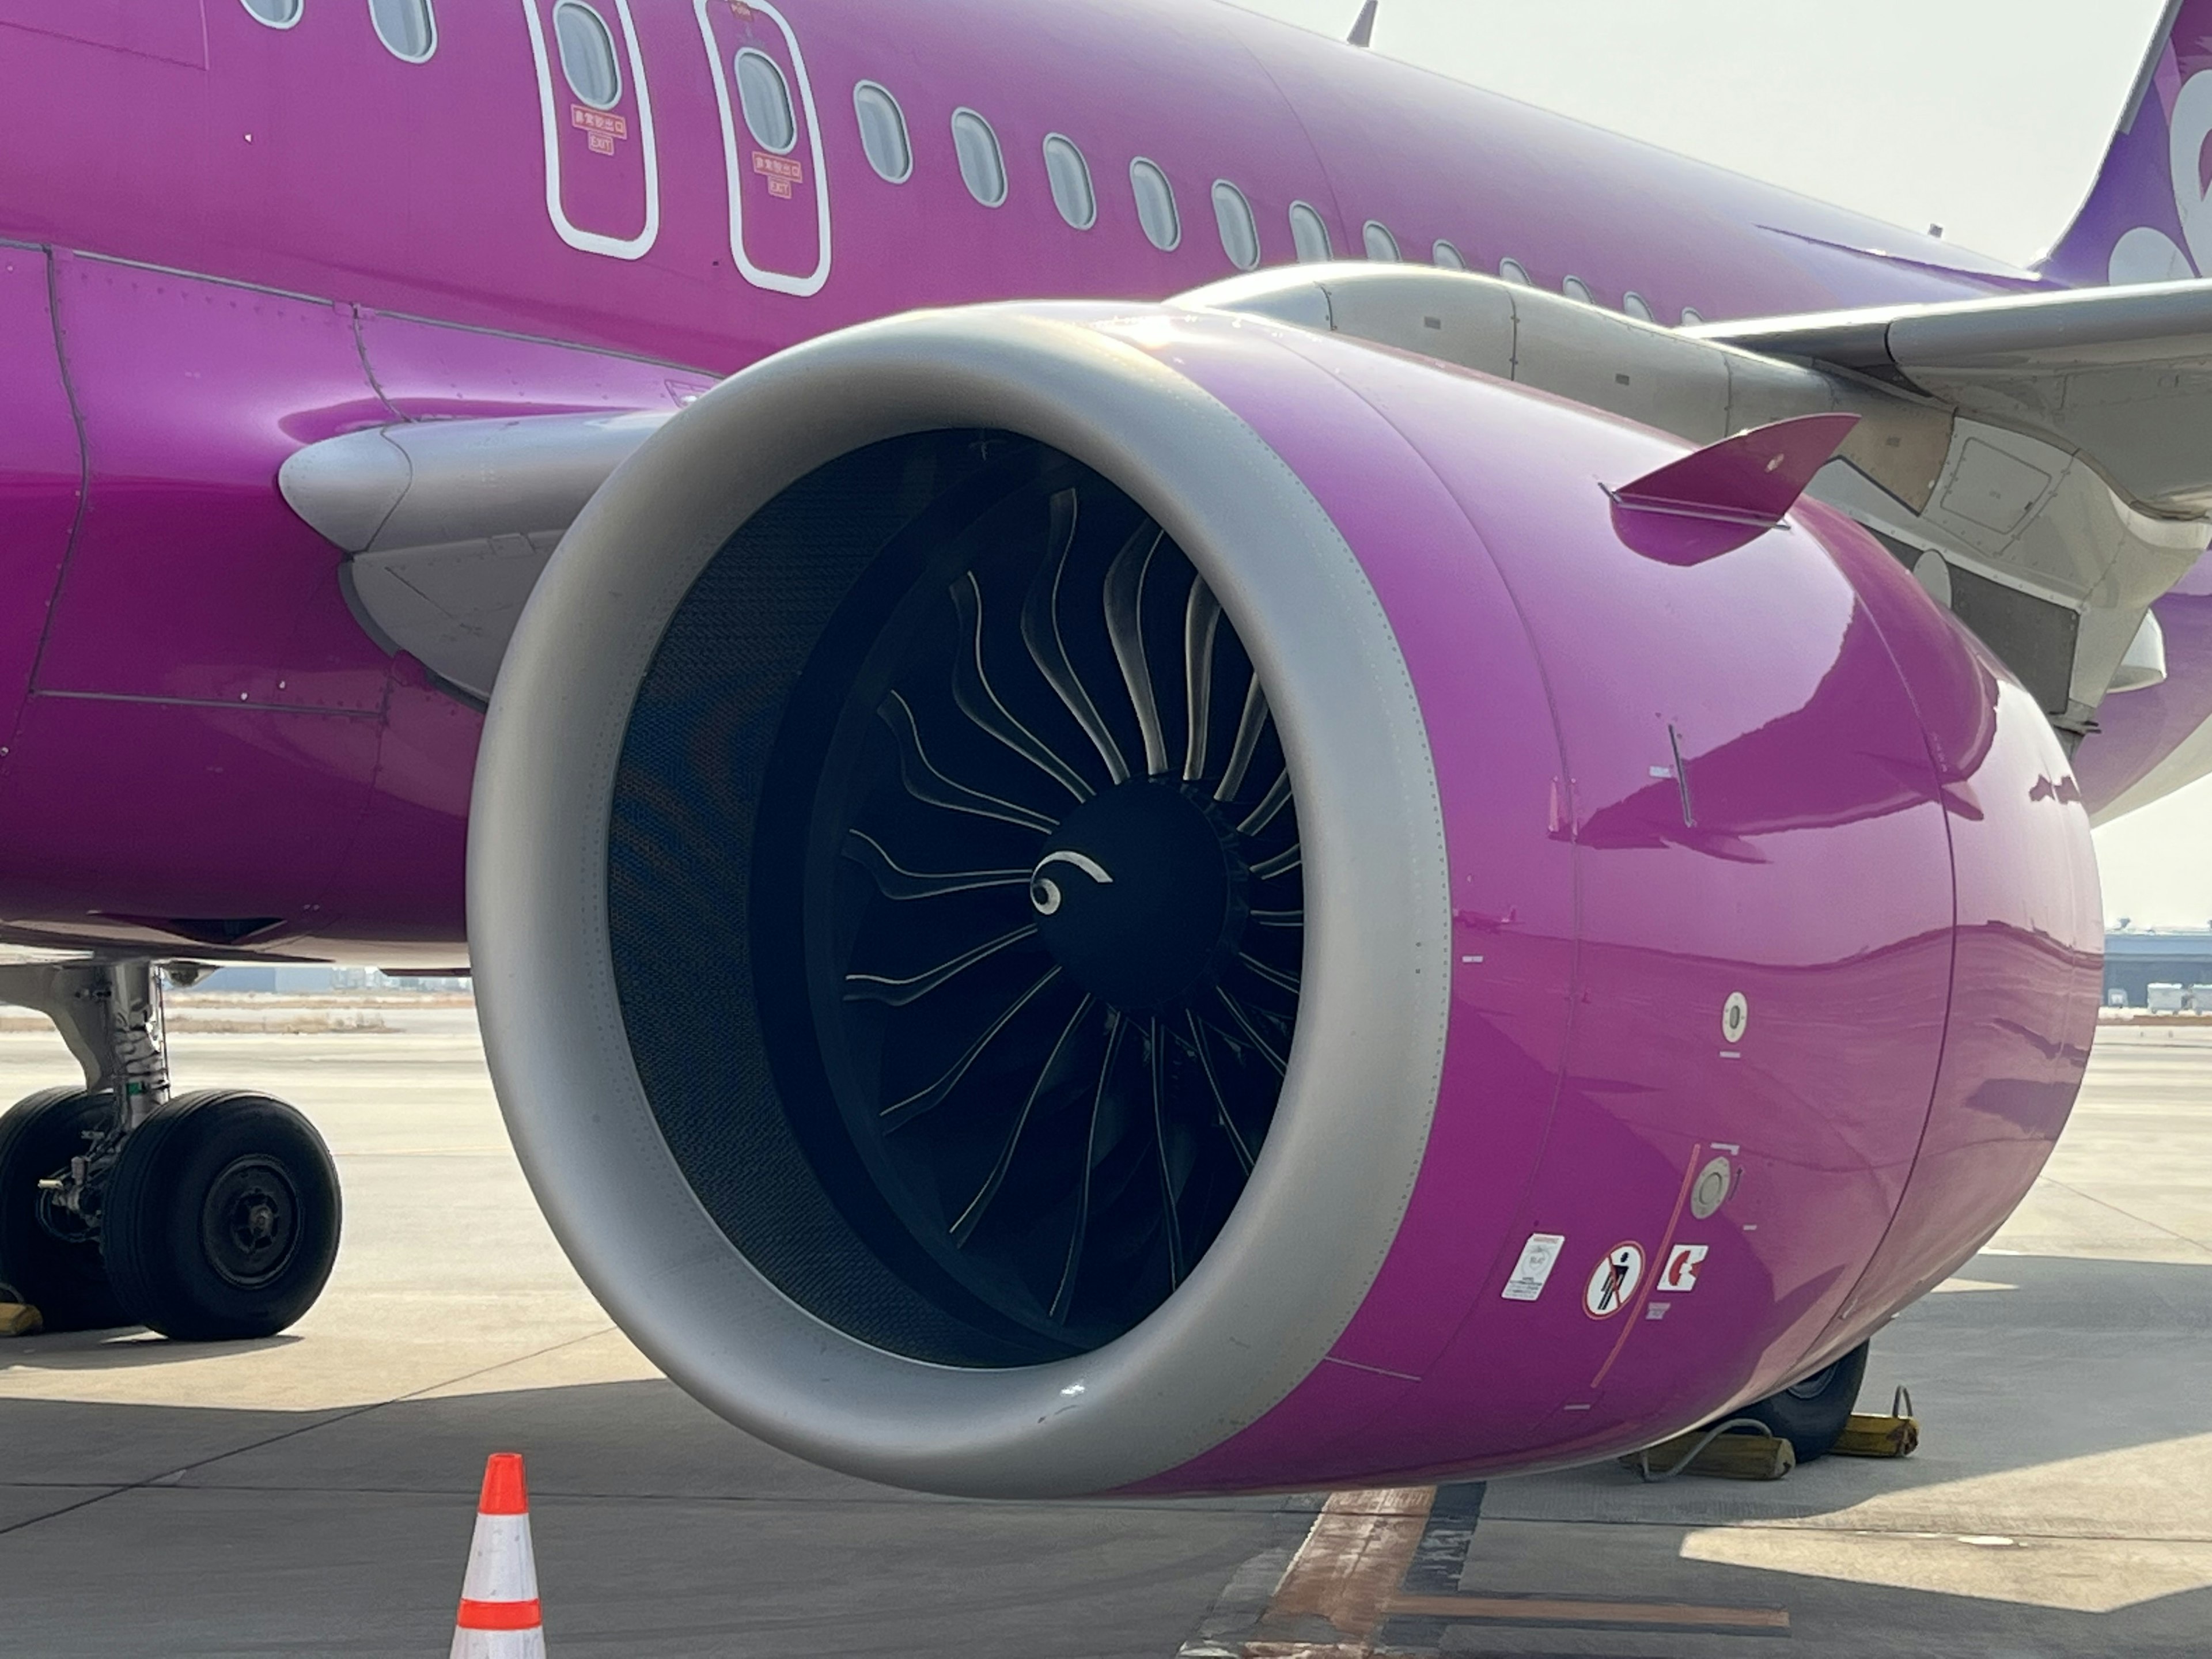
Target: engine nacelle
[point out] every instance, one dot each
(1072, 900)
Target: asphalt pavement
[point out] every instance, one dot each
(313, 1494)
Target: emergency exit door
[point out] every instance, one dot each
(602, 171)
(771, 146)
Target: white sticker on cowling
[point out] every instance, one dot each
(1681, 1270)
(1613, 1281)
(1534, 1271)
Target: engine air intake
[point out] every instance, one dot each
(1025, 904)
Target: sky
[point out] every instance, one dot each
(1987, 117)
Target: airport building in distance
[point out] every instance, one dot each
(2165, 969)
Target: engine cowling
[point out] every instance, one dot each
(1069, 899)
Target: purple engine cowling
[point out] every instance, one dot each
(1697, 962)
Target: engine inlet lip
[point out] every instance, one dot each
(1263, 1307)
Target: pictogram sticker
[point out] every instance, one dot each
(1534, 1271)
(1680, 1273)
(1613, 1281)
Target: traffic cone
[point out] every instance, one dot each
(498, 1618)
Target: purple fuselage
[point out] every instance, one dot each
(227, 240)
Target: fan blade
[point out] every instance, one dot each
(968, 1219)
(1250, 727)
(1116, 1026)
(1049, 650)
(972, 691)
(1125, 628)
(1202, 620)
(932, 789)
(894, 881)
(879, 987)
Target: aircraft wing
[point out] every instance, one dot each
(2043, 462)
(2121, 376)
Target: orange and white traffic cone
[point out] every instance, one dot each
(498, 1618)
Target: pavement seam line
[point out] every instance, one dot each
(2107, 1203)
(170, 1477)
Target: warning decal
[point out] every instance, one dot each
(1534, 1271)
(1613, 1281)
(1680, 1273)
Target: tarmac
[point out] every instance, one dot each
(313, 1494)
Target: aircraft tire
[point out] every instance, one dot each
(222, 1220)
(65, 1280)
(1812, 1414)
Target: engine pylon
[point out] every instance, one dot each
(499, 1614)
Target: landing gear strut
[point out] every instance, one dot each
(203, 1216)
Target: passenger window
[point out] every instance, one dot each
(1447, 257)
(766, 97)
(1155, 204)
(882, 132)
(1514, 272)
(1069, 174)
(1692, 317)
(405, 27)
(587, 54)
(983, 164)
(1637, 307)
(1309, 234)
(277, 14)
(1240, 231)
(1575, 288)
(1381, 244)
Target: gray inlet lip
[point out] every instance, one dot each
(1330, 1187)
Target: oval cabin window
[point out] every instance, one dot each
(883, 133)
(765, 96)
(1381, 244)
(1692, 317)
(1514, 272)
(1069, 175)
(1447, 257)
(1155, 204)
(277, 14)
(1240, 231)
(587, 54)
(983, 164)
(1637, 307)
(406, 28)
(1309, 234)
(1577, 290)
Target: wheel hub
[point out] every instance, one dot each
(1139, 895)
(249, 1224)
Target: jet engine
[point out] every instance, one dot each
(1073, 899)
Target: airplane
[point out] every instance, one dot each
(1173, 760)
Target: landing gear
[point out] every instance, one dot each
(209, 1216)
(1812, 1413)
(48, 1256)
(223, 1219)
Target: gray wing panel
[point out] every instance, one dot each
(2121, 376)
(448, 524)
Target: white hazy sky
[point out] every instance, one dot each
(1987, 117)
